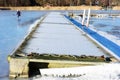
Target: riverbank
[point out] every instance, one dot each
(52, 8)
(57, 8)
(116, 8)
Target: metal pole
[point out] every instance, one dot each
(84, 16)
(88, 18)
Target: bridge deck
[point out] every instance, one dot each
(108, 45)
(56, 35)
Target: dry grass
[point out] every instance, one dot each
(58, 8)
(55, 8)
(116, 8)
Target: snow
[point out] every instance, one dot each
(109, 71)
(108, 24)
(10, 34)
(58, 36)
(101, 72)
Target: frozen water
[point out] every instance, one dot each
(107, 24)
(107, 27)
(12, 31)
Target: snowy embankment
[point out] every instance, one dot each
(102, 72)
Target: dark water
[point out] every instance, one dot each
(12, 31)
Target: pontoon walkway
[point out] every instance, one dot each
(56, 35)
(110, 46)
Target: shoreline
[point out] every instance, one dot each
(57, 8)
(52, 8)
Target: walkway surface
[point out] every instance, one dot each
(56, 35)
(113, 47)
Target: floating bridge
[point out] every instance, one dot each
(55, 34)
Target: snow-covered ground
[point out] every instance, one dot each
(101, 72)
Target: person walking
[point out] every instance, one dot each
(18, 14)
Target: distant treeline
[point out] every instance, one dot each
(58, 2)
